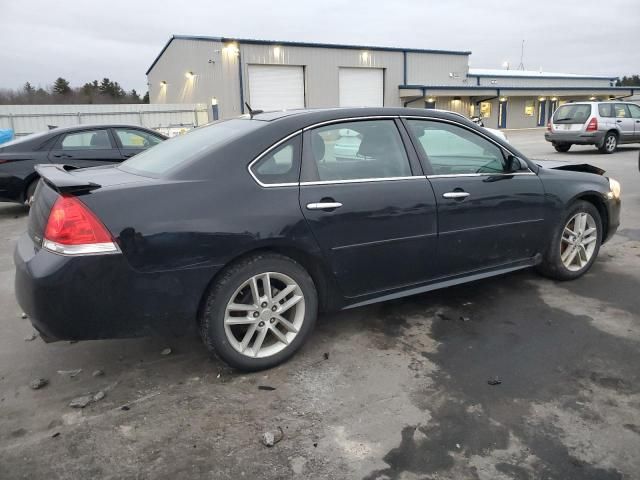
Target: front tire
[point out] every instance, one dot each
(259, 312)
(562, 147)
(609, 144)
(575, 243)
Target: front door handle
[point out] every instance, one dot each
(456, 195)
(618, 121)
(323, 205)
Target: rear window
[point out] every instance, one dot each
(168, 155)
(578, 113)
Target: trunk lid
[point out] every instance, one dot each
(63, 179)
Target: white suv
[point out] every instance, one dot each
(603, 124)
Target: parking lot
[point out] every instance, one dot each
(397, 390)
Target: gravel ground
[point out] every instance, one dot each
(392, 391)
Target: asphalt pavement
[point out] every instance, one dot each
(516, 377)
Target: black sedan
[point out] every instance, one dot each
(78, 146)
(246, 228)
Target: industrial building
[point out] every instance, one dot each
(227, 72)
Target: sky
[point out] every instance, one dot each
(41, 40)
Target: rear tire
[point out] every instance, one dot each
(575, 243)
(252, 327)
(562, 147)
(609, 143)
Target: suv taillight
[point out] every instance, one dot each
(72, 229)
(592, 126)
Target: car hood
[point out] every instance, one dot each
(571, 166)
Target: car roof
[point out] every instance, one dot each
(326, 114)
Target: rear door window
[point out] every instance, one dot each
(89, 140)
(368, 149)
(621, 110)
(578, 113)
(132, 138)
(635, 111)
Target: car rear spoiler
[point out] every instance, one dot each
(57, 176)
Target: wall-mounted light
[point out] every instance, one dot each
(503, 99)
(231, 48)
(592, 98)
(542, 99)
(431, 99)
(456, 99)
(364, 56)
(276, 51)
(554, 99)
(189, 75)
(163, 83)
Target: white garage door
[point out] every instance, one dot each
(276, 87)
(361, 87)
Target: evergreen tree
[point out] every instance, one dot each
(61, 86)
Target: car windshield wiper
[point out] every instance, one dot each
(564, 119)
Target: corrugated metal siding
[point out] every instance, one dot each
(203, 58)
(321, 69)
(435, 69)
(25, 119)
(539, 82)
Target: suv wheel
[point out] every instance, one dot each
(260, 312)
(609, 144)
(562, 147)
(575, 243)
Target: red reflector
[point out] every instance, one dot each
(593, 125)
(72, 223)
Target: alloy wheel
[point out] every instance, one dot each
(578, 242)
(264, 314)
(611, 143)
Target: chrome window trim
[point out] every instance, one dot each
(105, 248)
(381, 179)
(267, 150)
(350, 119)
(364, 180)
(452, 175)
(482, 134)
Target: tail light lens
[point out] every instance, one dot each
(592, 126)
(72, 229)
(549, 126)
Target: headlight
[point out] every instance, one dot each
(615, 189)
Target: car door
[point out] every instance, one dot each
(488, 216)
(132, 141)
(85, 148)
(635, 115)
(369, 206)
(625, 122)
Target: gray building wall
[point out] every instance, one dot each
(533, 82)
(437, 69)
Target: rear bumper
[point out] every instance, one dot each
(577, 138)
(101, 296)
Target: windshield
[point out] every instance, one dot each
(179, 150)
(578, 113)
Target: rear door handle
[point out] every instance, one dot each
(456, 195)
(618, 121)
(323, 205)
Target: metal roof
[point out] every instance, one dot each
(253, 41)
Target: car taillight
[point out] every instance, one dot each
(549, 126)
(592, 125)
(72, 229)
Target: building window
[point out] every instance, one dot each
(529, 108)
(485, 109)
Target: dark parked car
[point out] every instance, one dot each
(77, 146)
(246, 228)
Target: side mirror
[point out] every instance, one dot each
(514, 164)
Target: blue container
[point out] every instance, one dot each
(6, 134)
